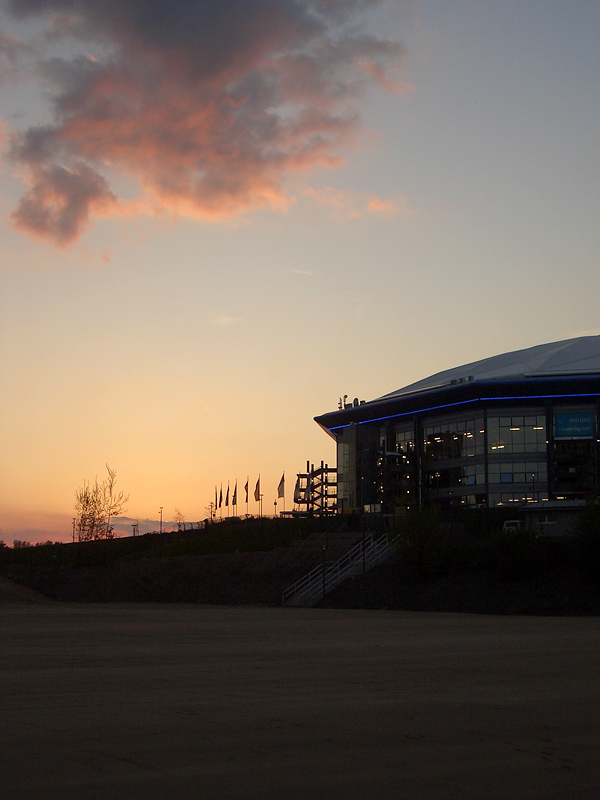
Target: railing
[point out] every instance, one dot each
(322, 579)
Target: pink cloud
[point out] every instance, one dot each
(353, 205)
(35, 527)
(378, 206)
(59, 203)
(382, 76)
(208, 105)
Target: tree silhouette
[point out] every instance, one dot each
(95, 505)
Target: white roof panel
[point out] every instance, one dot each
(578, 356)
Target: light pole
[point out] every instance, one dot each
(161, 508)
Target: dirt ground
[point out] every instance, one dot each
(11, 592)
(181, 701)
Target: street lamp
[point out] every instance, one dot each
(161, 508)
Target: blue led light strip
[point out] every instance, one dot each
(466, 402)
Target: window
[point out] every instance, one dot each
(530, 472)
(452, 440)
(404, 439)
(517, 434)
(473, 475)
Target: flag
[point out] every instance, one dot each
(257, 490)
(221, 497)
(227, 496)
(246, 488)
(281, 487)
(234, 498)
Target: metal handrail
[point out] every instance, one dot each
(306, 584)
(325, 577)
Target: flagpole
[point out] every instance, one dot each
(258, 497)
(281, 489)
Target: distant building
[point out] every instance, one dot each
(509, 431)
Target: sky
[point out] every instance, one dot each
(219, 217)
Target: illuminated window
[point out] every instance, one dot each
(517, 433)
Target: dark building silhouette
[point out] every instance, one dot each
(512, 430)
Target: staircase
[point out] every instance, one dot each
(322, 579)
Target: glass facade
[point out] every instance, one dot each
(574, 452)
(453, 472)
(396, 468)
(453, 439)
(346, 470)
(518, 472)
(517, 461)
(404, 439)
(517, 433)
(493, 457)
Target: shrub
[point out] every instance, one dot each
(432, 548)
(586, 533)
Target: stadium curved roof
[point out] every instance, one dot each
(579, 356)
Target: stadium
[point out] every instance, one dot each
(516, 430)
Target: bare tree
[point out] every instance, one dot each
(88, 509)
(114, 502)
(96, 504)
(179, 519)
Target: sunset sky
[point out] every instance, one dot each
(218, 217)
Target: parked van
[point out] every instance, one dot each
(513, 526)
